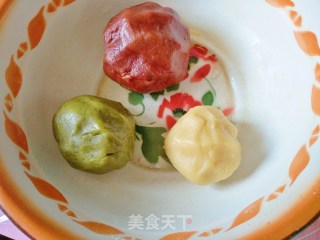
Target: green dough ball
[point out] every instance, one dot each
(94, 134)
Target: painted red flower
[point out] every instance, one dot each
(202, 53)
(201, 73)
(179, 104)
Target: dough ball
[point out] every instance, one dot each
(146, 48)
(94, 134)
(203, 145)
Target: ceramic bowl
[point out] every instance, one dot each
(259, 61)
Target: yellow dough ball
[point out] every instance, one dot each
(203, 145)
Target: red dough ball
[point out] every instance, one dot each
(146, 48)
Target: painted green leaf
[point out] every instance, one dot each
(135, 98)
(173, 87)
(207, 98)
(192, 60)
(152, 145)
(155, 95)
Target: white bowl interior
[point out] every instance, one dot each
(271, 80)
